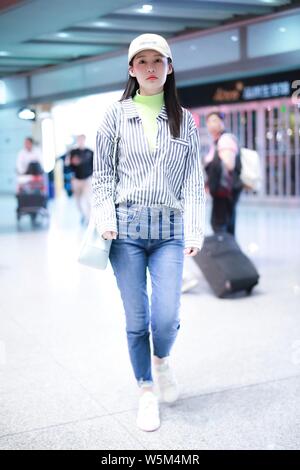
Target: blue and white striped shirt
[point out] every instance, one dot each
(170, 176)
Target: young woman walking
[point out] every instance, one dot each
(153, 213)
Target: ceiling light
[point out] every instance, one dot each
(4, 53)
(282, 29)
(234, 38)
(193, 47)
(146, 8)
(102, 24)
(26, 114)
(63, 35)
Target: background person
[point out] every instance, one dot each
(81, 164)
(223, 168)
(28, 154)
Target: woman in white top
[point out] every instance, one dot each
(154, 214)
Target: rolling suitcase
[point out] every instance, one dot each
(226, 268)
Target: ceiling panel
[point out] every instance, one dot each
(10, 68)
(179, 11)
(44, 16)
(52, 51)
(19, 61)
(283, 36)
(43, 33)
(271, 3)
(153, 24)
(84, 37)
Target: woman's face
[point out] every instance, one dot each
(214, 124)
(150, 68)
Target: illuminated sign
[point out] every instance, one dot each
(262, 87)
(228, 95)
(240, 92)
(269, 90)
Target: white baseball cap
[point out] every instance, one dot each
(149, 41)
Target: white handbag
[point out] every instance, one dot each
(94, 250)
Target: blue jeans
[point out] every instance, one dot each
(148, 245)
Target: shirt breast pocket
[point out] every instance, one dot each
(178, 151)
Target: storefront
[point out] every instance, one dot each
(264, 113)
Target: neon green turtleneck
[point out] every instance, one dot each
(149, 108)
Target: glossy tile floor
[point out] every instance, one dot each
(65, 376)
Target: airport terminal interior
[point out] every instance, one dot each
(66, 381)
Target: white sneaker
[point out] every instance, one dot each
(188, 284)
(148, 412)
(167, 384)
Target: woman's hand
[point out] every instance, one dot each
(109, 235)
(191, 251)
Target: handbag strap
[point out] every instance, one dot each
(116, 141)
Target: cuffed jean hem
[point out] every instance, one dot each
(145, 383)
(161, 356)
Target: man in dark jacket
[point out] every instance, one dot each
(81, 164)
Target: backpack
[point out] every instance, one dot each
(251, 169)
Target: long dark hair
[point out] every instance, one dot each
(173, 108)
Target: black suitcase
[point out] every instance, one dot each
(226, 268)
